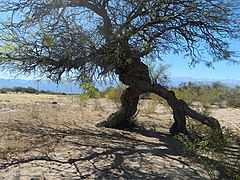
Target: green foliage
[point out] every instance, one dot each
(90, 90)
(6, 90)
(189, 91)
(47, 39)
(19, 89)
(114, 93)
(158, 72)
(53, 38)
(210, 96)
(216, 93)
(232, 97)
(83, 97)
(27, 90)
(214, 152)
(7, 48)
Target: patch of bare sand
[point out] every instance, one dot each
(60, 141)
(228, 117)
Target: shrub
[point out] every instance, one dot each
(114, 93)
(5, 90)
(216, 94)
(90, 90)
(19, 89)
(33, 111)
(82, 98)
(210, 96)
(232, 97)
(97, 105)
(25, 90)
(215, 153)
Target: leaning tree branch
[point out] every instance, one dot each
(101, 11)
(136, 76)
(180, 108)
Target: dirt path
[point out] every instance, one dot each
(45, 140)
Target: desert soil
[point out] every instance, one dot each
(54, 137)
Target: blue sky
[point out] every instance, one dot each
(221, 70)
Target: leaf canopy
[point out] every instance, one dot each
(87, 38)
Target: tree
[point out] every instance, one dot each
(88, 39)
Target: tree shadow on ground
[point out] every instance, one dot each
(97, 153)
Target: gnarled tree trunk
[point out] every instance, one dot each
(136, 76)
(129, 100)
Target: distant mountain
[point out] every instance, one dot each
(72, 87)
(176, 81)
(47, 85)
(41, 85)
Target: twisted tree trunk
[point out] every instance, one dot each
(129, 100)
(136, 76)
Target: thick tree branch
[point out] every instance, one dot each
(100, 10)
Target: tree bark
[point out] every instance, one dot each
(136, 76)
(129, 100)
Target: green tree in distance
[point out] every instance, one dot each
(88, 39)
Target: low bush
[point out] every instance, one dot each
(232, 97)
(216, 94)
(90, 90)
(29, 90)
(114, 93)
(216, 154)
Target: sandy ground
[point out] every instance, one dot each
(54, 137)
